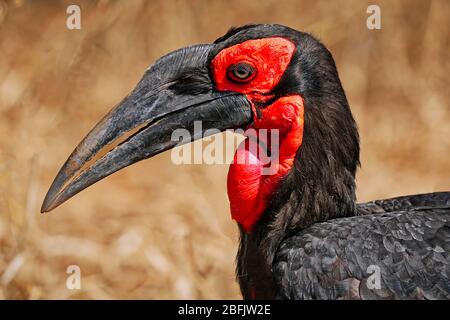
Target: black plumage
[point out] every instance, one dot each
(332, 260)
(314, 241)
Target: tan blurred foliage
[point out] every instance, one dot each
(157, 230)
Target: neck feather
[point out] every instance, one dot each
(321, 184)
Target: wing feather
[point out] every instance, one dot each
(407, 240)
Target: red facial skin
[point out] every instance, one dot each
(249, 191)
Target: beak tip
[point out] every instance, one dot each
(45, 206)
(44, 209)
(49, 203)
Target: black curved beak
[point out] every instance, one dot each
(174, 92)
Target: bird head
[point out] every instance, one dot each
(261, 76)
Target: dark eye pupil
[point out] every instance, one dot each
(241, 72)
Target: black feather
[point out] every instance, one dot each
(313, 241)
(410, 248)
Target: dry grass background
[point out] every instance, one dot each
(157, 230)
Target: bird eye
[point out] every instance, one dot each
(241, 72)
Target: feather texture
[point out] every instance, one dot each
(407, 239)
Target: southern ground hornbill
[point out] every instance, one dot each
(303, 236)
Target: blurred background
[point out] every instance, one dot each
(157, 230)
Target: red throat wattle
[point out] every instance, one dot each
(249, 186)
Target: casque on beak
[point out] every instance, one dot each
(174, 92)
